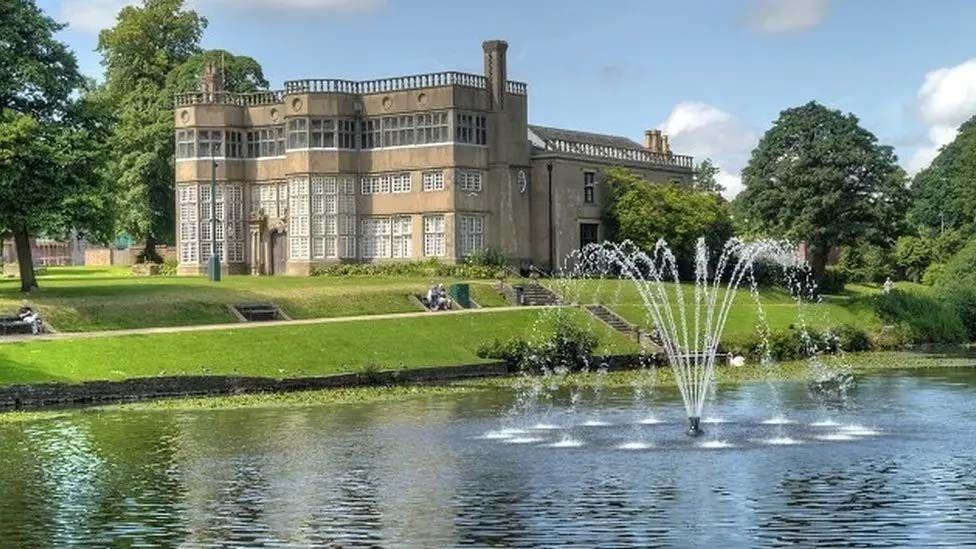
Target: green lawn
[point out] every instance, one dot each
(779, 308)
(280, 351)
(84, 299)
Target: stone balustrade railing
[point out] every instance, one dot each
(619, 153)
(335, 85)
(229, 98)
(397, 83)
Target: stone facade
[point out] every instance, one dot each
(399, 169)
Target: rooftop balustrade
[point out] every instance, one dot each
(619, 153)
(335, 85)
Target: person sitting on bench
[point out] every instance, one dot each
(28, 316)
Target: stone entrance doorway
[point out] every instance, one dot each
(279, 253)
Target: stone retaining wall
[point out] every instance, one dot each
(20, 397)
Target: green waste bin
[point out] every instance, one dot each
(461, 294)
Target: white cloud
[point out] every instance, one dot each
(781, 16)
(94, 15)
(705, 131)
(91, 15)
(946, 99)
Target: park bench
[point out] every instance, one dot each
(10, 325)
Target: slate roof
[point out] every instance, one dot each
(548, 134)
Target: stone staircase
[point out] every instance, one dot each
(613, 320)
(535, 295)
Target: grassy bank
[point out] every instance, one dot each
(780, 310)
(281, 351)
(863, 364)
(75, 299)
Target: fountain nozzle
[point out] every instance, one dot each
(694, 427)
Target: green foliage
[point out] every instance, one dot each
(922, 318)
(851, 339)
(241, 74)
(832, 282)
(704, 177)
(147, 43)
(960, 270)
(943, 195)
(169, 267)
(566, 344)
(914, 254)
(933, 273)
(38, 74)
(489, 257)
(427, 268)
(957, 285)
(817, 176)
(646, 212)
(865, 262)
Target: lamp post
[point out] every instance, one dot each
(552, 232)
(213, 267)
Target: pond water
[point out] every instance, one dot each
(893, 464)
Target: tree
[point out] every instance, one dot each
(817, 176)
(147, 43)
(241, 74)
(704, 177)
(38, 76)
(49, 181)
(943, 195)
(644, 212)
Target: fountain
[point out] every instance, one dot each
(687, 327)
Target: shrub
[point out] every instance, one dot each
(963, 300)
(428, 268)
(567, 345)
(933, 273)
(890, 338)
(924, 319)
(169, 267)
(957, 286)
(866, 263)
(850, 338)
(514, 351)
(959, 270)
(833, 281)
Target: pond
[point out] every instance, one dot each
(894, 463)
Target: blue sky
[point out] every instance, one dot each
(714, 74)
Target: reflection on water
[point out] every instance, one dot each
(447, 471)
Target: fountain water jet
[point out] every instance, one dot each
(688, 328)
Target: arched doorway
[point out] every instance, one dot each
(279, 253)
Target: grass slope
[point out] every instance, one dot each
(282, 351)
(779, 309)
(89, 299)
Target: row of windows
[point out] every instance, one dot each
(198, 233)
(335, 236)
(333, 133)
(271, 199)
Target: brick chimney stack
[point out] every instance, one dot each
(211, 81)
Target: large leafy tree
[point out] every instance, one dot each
(241, 74)
(146, 44)
(944, 194)
(817, 176)
(50, 142)
(644, 212)
(51, 180)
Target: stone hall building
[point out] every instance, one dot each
(406, 168)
